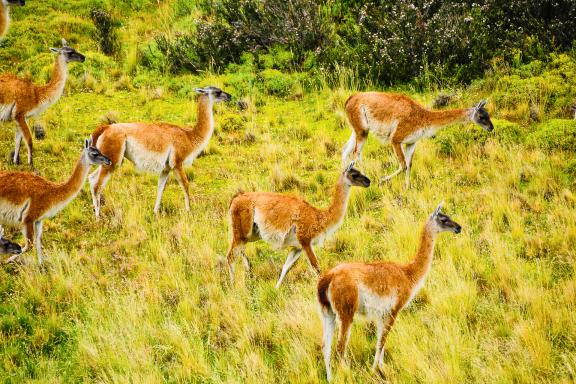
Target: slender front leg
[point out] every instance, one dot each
(17, 143)
(28, 232)
(409, 152)
(25, 130)
(183, 181)
(161, 185)
(388, 323)
(311, 256)
(38, 240)
(293, 256)
(400, 155)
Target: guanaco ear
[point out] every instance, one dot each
(55, 50)
(481, 104)
(200, 90)
(64, 43)
(86, 143)
(438, 208)
(1, 232)
(90, 141)
(350, 166)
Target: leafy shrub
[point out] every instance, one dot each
(106, 33)
(555, 134)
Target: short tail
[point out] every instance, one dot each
(238, 193)
(323, 285)
(98, 132)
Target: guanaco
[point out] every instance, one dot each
(21, 99)
(157, 148)
(398, 119)
(26, 199)
(285, 221)
(7, 247)
(379, 290)
(5, 15)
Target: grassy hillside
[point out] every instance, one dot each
(142, 298)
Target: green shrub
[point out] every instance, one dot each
(556, 134)
(106, 33)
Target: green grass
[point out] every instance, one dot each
(142, 298)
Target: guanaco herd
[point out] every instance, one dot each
(379, 290)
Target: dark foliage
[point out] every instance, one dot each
(106, 33)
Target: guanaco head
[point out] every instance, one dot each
(353, 177)
(481, 117)
(7, 247)
(93, 154)
(443, 223)
(214, 93)
(14, 2)
(70, 54)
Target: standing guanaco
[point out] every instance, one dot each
(21, 99)
(288, 221)
(5, 15)
(157, 148)
(7, 247)
(27, 199)
(379, 290)
(398, 119)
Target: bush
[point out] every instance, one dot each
(553, 135)
(106, 33)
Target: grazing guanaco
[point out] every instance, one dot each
(285, 221)
(21, 99)
(398, 119)
(379, 290)
(5, 15)
(27, 199)
(7, 247)
(157, 148)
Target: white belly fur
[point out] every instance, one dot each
(420, 134)
(146, 160)
(6, 111)
(11, 214)
(276, 238)
(373, 305)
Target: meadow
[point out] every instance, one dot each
(138, 297)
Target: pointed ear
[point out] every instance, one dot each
(350, 166)
(482, 104)
(437, 210)
(55, 50)
(86, 143)
(90, 142)
(1, 232)
(64, 43)
(200, 90)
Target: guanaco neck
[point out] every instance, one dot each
(55, 86)
(205, 124)
(73, 185)
(334, 214)
(447, 117)
(4, 19)
(419, 267)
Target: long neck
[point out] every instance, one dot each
(4, 19)
(447, 117)
(337, 209)
(419, 267)
(205, 124)
(55, 86)
(75, 182)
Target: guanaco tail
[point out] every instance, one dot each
(401, 121)
(21, 99)
(5, 15)
(378, 290)
(26, 199)
(285, 221)
(157, 148)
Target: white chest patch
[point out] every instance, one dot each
(373, 305)
(321, 238)
(420, 134)
(48, 102)
(11, 214)
(6, 111)
(276, 238)
(146, 160)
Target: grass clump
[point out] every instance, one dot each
(553, 135)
